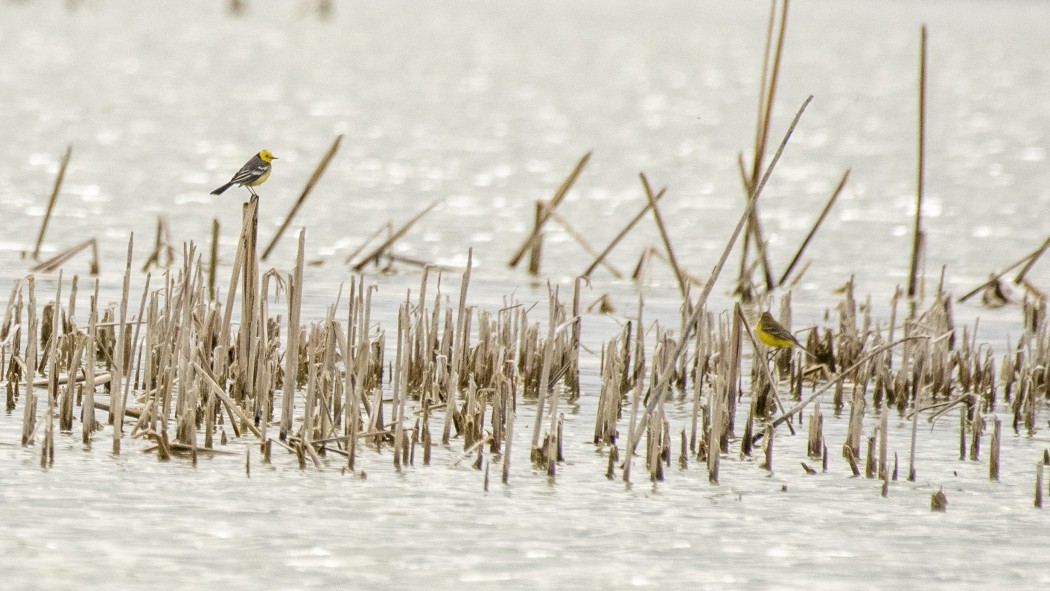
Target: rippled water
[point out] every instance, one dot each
(488, 107)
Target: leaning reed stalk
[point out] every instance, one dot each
(52, 199)
(679, 276)
(626, 229)
(378, 251)
(553, 203)
(816, 225)
(316, 176)
(661, 388)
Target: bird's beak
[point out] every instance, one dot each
(274, 158)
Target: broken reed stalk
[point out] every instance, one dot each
(316, 176)
(115, 397)
(459, 349)
(87, 409)
(636, 396)
(291, 356)
(557, 217)
(917, 236)
(545, 369)
(375, 254)
(162, 248)
(914, 425)
(51, 200)
(213, 258)
(1039, 467)
(838, 377)
(1031, 261)
(536, 249)
(54, 263)
(637, 218)
(1027, 260)
(555, 200)
(663, 235)
(816, 225)
(660, 390)
(388, 227)
(993, 455)
(135, 338)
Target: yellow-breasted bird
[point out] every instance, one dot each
(252, 174)
(774, 334)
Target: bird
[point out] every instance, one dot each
(774, 334)
(252, 174)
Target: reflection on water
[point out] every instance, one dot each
(488, 107)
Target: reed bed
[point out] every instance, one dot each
(169, 365)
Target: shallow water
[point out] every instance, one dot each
(488, 107)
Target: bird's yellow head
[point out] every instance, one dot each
(267, 156)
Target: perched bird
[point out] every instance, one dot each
(252, 174)
(774, 334)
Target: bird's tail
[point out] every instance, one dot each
(222, 188)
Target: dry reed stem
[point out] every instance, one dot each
(552, 204)
(52, 199)
(54, 263)
(660, 390)
(664, 236)
(557, 217)
(314, 178)
(232, 407)
(162, 248)
(917, 236)
(636, 394)
(118, 357)
(626, 229)
(459, 349)
(375, 254)
(213, 258)
(1027, 260)
(841, 376)
(536, 246)
(816, 225)
(388, 227)
(765, 117)
(295, 294)
(993, 455)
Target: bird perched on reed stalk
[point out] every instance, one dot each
(252, 174)
(774, 334)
